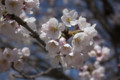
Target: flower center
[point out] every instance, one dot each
(3, 25)
(77, 40)
(65, 47)
(53, 44)
(8, 55)
(4, 61)
(54, 29)
(13, 3)
(68, 20)
(83, 24)
(13, 24)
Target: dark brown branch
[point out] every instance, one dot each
(52, 72)
(31, 76)
(35, 35)
(24, 24)
(108, 9)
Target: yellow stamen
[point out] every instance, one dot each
(54, 29)
(3, 25)
(4, 61)
(65, 48)
(13, 3)
(77, 40)
(68, 20)
(13, 24)
(83, 24)
(53, 44)
(8, 55)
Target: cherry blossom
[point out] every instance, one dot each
(14, 6)
(69, 41)
(52, 46)
(52, 28)
(66, 49)
(12, 57)
(69, 16)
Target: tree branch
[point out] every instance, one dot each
(52, 72)
(24, 24)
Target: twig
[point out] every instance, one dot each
(24, 24)
(52, 72)
(31, 76)
(36, 36)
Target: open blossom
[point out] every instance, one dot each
(88, 47)
(37, 3)
(92, 71)
(14, 6)
(75, 59)
(83, 40)
(26, 52)
(92, 53)
(9, 29)
(82, 23)
(62, 41)
(68, 17)
(80, 40)
(66, 49)
(105, 54)
(91, 31)
(30, 4)
(101, 53)
(4, 65)
(44, 37)
(10, 55)
(106, 51)
(97, 48)
(55, 59)
(52, 28)
(52, 46)
(98, 73)
(6, 28)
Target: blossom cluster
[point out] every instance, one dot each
(9, 27)
(93, 72)
(13, 58)
(17, 6)
(101, 53)
(66, 46)
(69, 43)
